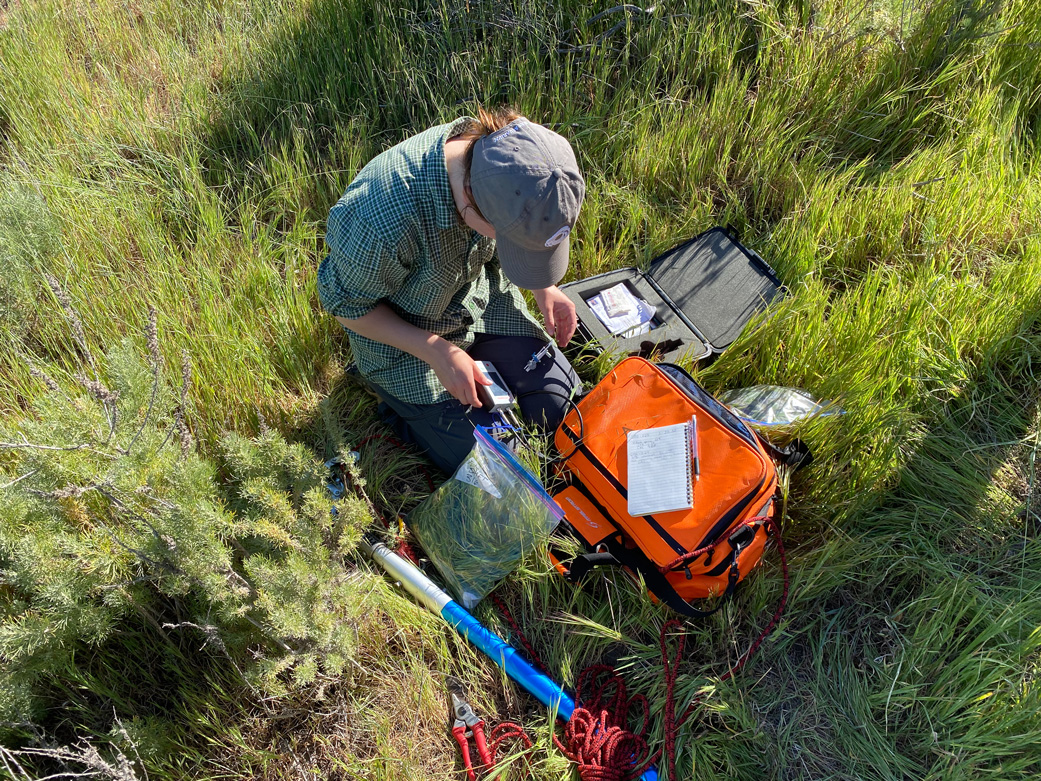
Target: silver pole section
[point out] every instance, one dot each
(407, 574)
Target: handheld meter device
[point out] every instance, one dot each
(495, 397)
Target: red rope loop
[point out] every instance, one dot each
(679, 561)
(597, 737)
(506, 732)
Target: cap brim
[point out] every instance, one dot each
(533, 270)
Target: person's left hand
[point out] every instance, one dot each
(558, 311)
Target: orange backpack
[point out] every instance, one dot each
(681, 555)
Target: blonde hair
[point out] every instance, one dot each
(487, 123)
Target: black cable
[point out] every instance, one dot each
(578, 411)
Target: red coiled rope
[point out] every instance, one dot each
(597, 737)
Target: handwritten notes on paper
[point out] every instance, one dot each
(660, 470)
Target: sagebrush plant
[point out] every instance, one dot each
(293, 547)
(110, 514)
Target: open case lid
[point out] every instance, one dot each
(715, 284)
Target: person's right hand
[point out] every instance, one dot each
(458, 373)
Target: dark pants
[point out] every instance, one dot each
(446, 431)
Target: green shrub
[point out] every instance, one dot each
(110, 515)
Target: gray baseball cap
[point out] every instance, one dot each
(525, 180)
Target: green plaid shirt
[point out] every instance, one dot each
(394, 237)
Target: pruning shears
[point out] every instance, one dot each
(465, 726)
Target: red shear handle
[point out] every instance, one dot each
(460, 738)
(482, 746)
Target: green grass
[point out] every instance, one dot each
(882, 156)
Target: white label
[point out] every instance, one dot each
(582, 512)
(506, 132)
(473, 475)
(558, 237)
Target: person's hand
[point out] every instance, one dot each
(458, 373)
(558, 311)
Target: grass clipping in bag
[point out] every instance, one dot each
(478, 525)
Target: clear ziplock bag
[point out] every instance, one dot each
(772, 405)
(478, 525)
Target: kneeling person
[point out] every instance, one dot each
(427, 249)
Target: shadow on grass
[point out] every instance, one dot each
(903, 108)
(143, 679)
(967, 494)
(348, 78)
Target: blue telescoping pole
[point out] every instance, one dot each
(412, 579)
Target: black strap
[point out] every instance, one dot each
(579, 566)
(656, 582)
(795, 454)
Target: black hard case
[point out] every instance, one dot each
(704, 291)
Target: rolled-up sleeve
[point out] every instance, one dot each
(361, 269)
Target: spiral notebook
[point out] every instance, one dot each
(661, 468)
